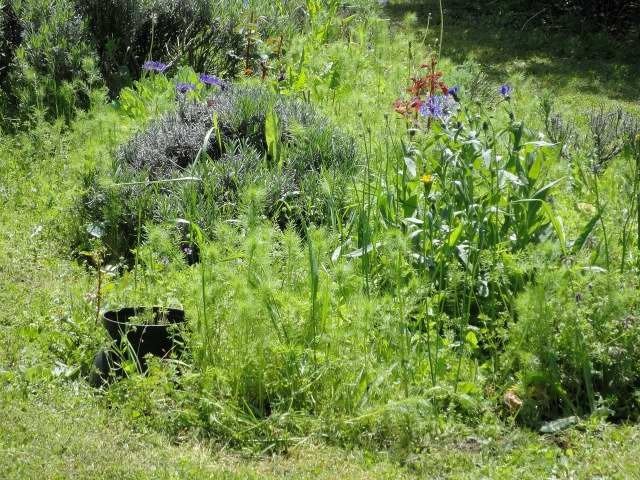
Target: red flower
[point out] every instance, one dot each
(416, 103)
(418, 87)
(421, 89)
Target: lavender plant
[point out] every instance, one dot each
(190, 171)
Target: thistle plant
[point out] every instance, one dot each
(607, 136)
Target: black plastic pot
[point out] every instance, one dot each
(160, 338)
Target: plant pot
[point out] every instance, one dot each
(135, 340)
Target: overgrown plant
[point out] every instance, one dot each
(573, 349)
(51, 67)
(194, 163)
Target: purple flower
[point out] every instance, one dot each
(185, 87)
(505, 90)
(433, 107)
(151, 66)
(211, 80)
(453, 91)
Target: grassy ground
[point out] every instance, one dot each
(53, 426)
(62, 431)
(581, 70)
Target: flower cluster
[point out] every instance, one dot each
(211, 80)
(433, 107)
(206, 79)
(430, 83)
(183, 88)
(153, 66)
(505, 90)
(431, 98)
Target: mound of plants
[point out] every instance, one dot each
(424, 298)
(194, 164)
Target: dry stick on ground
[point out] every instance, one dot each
(531, 18)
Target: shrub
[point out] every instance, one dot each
(300, 184)
(128, 32)
(241, 111)
(53, 67)
(575, 347)
(221, 37)
(9, 37)
(610, 131)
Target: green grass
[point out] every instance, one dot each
(581, 70)
(60, 431)
(65, 432)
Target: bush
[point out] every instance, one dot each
(220, 37)
(9, 37)
(299, 185)
(53, 67)
(575, 346)
(128, 32)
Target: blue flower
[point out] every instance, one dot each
(454, 90)
(211, 80)
(151, 66)
(434, 107)
(505, 90)
(185, 87)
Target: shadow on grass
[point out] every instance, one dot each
(517, 43)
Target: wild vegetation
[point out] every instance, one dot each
(407, 252)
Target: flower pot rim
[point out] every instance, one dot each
(142, 308)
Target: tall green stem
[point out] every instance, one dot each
(441, 28)
(604, 228)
